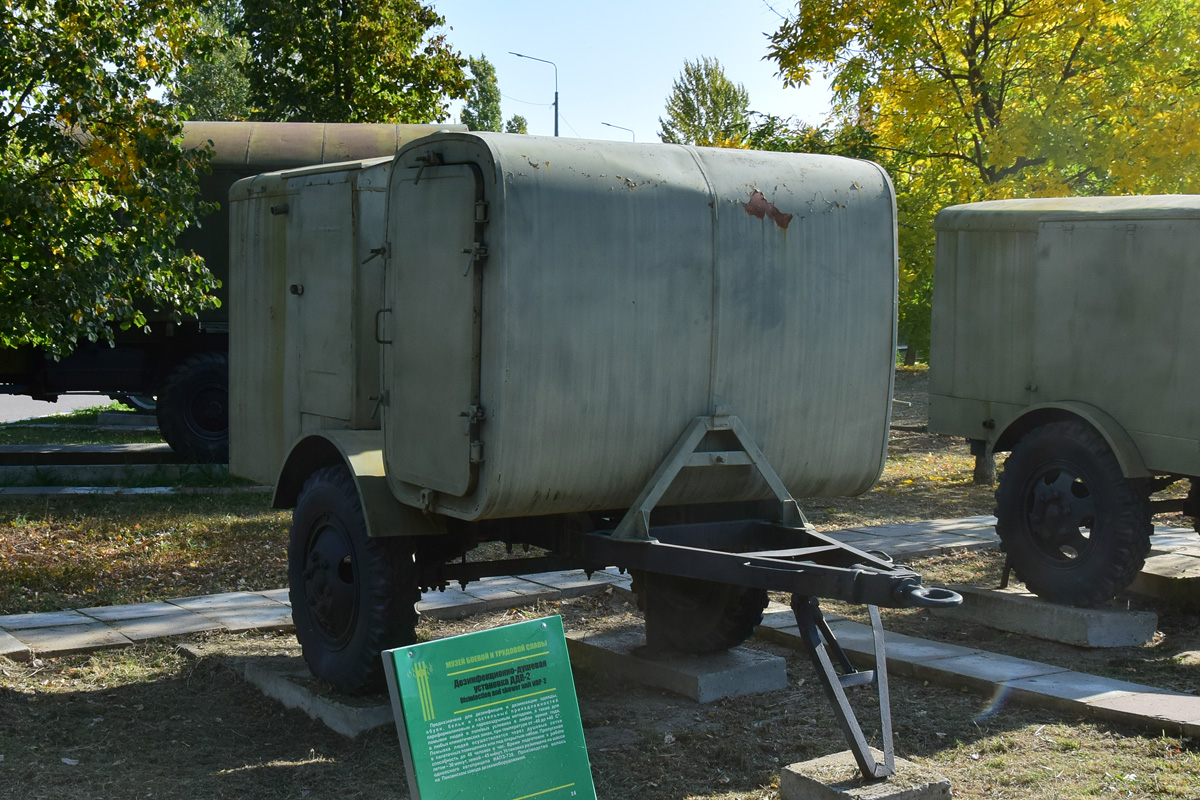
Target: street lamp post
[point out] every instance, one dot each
(619, 127)
(551, 63)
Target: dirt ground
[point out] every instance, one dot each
(157, 721)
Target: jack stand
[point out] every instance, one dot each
(819, 641)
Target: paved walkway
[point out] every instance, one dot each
(22, 636)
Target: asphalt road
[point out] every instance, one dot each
(14, 407)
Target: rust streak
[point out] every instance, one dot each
(759, 206)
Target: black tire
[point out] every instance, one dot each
(688, 615)
(352, 595)
(1076, 529)
(193, 408)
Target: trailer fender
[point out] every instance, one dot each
(1122, 445)
(362, 453)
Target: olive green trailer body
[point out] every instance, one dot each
(1062, 331)
(631, 355)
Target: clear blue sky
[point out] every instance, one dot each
(617, 59)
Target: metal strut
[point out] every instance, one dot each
(819, 641)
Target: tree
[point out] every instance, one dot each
(213, 85)
(94, 184)
(983, 99)
(349, 61)
(706, 108)
(516, 124)
(482, 111)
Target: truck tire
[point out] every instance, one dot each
(352, 595)
(193, 408)
(688, 615)
(1076, 529)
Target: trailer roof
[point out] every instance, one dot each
(279, 145)
(1016, 215)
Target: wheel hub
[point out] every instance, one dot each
(330, 585)
(1061, 514)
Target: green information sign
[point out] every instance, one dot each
(491, 716)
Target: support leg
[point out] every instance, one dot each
(819, 641)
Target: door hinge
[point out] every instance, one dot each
(476, 452)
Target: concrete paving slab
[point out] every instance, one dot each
(14, 648)
(1071, 691)
(159, 626)
(289, 681)
(705, 679)
(132, 611)
(48, 619)
(449, 604)
(276, 595)
(506, 592)
(572, 583)
(1173, 576)
(1022, 612)
(228, 600)
(957, 542)
(71, 639)
(273, 617)
(837, 777)
(981, 671)
(1178, 713)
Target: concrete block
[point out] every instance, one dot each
(837, 777)
(14, 648)
(1174, 577)
(47, 619)
(69, 640)
(289, 681)
(707, 678)
(1022, 612)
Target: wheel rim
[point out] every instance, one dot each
(1061, 512)
(208, 413)
(330, 584)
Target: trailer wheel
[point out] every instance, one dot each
(352, 595)
(689, 615)
(193, 408)
(1076, 529)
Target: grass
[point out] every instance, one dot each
(72, 551)
(81, 426)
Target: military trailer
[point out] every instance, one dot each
(1061, 335)
(615, 354)
(180, 368)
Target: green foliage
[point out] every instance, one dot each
(516, 124)
(986, 99)
(214, 85)
(706, 108)
(482, 111)
(94, 184)
(349, 61)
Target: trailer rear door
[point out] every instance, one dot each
(431, 333)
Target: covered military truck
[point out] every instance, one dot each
(183, 366)
(616, 354)
(1063, 332)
